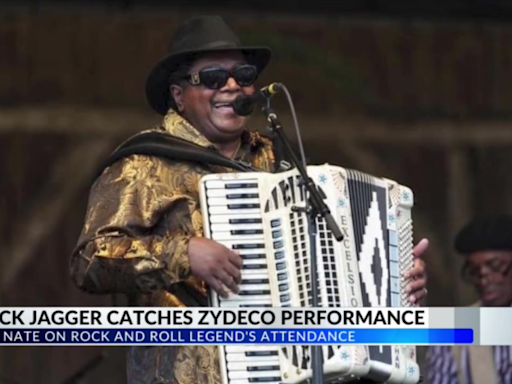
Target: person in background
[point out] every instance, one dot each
(486, 244)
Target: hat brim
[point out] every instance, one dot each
(157, 85)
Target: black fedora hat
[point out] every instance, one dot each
(198, 35)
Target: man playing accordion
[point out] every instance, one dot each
(143, 233)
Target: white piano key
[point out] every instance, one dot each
(245, 245)
(244, 299)
(225, 227)
(246, 381)
(256, 257)
(255, 283)
(222, 210)
(247, 273)
(244, 365)
(254, 374)
(233, 217)
(243, 304)
(254, 251)
(222, 201)
(220, 236)
(221, 184)
(250, 348)
(248, 262)
(252, 287)
(242, 357)
(225, 192)
(257, 276)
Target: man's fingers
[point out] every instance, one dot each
(235, 259)
(234, 272)
(420, 248)
(417, 296)
(417, 271)
(217, 286)
(414, 286)
(227, 280)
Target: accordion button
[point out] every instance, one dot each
(278, 244)
(285, 297)
(281, 266)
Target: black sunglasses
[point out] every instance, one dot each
(215, 78)
(472, 274)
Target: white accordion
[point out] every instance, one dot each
(252, 214)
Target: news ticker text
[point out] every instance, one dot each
(419, 326)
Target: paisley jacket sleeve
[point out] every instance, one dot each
(136, 232)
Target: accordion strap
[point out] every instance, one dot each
(173, 148)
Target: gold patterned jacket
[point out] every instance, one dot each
(141, 214)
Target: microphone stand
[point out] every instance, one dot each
(315, 206)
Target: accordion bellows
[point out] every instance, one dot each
(254, 214)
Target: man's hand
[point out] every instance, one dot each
(217, 265)
(417, 288)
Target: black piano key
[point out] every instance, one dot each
(330, 351)
(295, 356)
(256, 305)
(264, 379)
(283, 188)
(263, 368)
(241, 185)
(292, 188)
(255, 281)
(243, 206)
(305, 358)
(260, 353)
(274, 198)
(248, 246)
(255, 266)
(256, 292)
(285, 352)
(244, 221)
(247, 232)
(253, 256)
(242, 196)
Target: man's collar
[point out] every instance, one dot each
(175, 125)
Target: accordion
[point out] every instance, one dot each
(252, 214)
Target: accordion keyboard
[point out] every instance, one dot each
(234, 220)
